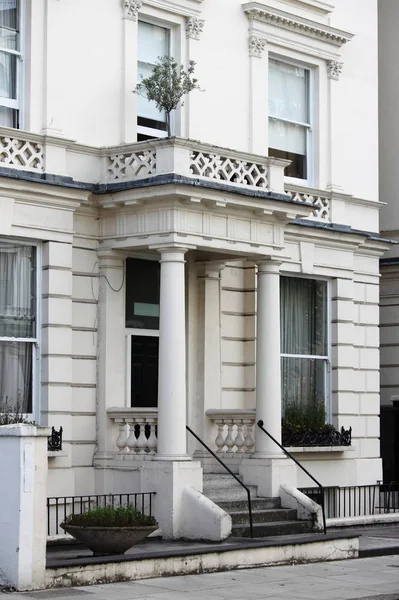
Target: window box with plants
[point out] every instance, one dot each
(305, 425)
(110, 530)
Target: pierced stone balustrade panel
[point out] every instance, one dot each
(228, 169)
(319, 201)
(131, 165)
(235, 430)
(138, 429)
(21, 153)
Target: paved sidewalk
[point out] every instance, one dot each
(368, 578)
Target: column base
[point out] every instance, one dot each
(268, 473)
(168, 478)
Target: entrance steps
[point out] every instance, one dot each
(269, 518)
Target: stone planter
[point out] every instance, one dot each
(105, 541)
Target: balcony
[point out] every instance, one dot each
(201, 166)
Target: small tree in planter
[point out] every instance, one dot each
(167, 85)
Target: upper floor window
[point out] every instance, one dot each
(9, 62)
(18, 327)
(153, 43)
(289, 116)
(304, 343)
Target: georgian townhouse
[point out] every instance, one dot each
(221, 276)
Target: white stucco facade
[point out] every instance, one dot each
(77, 186)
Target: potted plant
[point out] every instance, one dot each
(107, 530)
(167, 85)
(305, 425)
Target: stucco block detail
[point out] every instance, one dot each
(84, 371)
(56, 369)
(55, 254)
(57, 311)
(370, 404)
(369, 358)
(369, 448)
(369, 314)
(85, 287)
(57, 282)
(343, 288)
(56, 340)
(342, 310)
(84, 261)
(373, 427)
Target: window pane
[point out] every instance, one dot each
(17, 291)
(8, 24)
(288, 137)
(288, 91)
(16, 376)
(303, 382)
(153, 43)
(303, 304)
(8, 117)
(8, 75)
(142, 293)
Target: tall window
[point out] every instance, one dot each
(17, 325)
(153, 43)
(9, 62)
(289, 116)
(304, 343)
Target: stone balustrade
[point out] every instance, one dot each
(137, 431)
(235, 430)
(203, 163)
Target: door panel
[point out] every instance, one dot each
(144, 371)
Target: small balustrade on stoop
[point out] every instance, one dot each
(137, 431)
(235, 430)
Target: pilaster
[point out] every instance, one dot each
(111, 378)
(258, 92)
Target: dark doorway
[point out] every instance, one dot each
(389, 439)
(144, 371)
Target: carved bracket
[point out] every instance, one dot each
(194, 27)
(131, 8)
(256, 46)
(334, 69)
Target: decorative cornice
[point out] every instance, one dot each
(194, 27)
(131, 8)
(256, 11)
(334, 69)
(256, 46)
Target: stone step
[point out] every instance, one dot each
(263, 516)
(256, 503)
(236, 494)
(273, 528)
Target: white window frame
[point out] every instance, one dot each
(34, 415)
(159, 133)
(310, 155)
(16, 104)
(326, 358)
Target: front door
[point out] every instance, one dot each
(144, 371)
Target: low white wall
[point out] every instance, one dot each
(202, 519)
(306, 509)
(23, 493)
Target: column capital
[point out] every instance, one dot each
(108, 257)
(210, 269)
(268, 265)
(172, 254)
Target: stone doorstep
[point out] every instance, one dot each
(160, 558)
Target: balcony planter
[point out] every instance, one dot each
(109, 531)
(324, 436)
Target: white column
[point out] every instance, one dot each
(268, 368)
(172, 437)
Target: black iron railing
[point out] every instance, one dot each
(319, 486)
(59, 508)
(251, 528)
(312, 437)
(359, 500)
(55, 440)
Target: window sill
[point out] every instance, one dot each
(318, 449)
(57, 453)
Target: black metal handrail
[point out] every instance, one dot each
(260, 425)
(231, 473)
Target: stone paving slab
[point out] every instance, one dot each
(365, 579)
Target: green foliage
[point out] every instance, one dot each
(168, 84)
(11, 414)
(107, 516)
(304, 417)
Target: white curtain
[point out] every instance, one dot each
(303, 332)
(153, 43)
(288, 99)
(17, 320)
